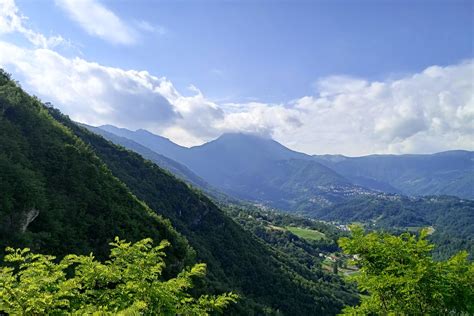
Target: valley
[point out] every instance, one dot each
(237, 158)
(266, 220)
(265, 173)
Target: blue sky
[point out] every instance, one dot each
(231, 50)
(352, 77)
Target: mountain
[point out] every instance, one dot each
(450, 218)
(58, 197)
(445, 173)
(260, 169)
(68, 190)
(174, 167)
(255, 168)
(248, 166)
(224, 160)
(154, 142)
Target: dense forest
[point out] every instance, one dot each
(58, 197)
(70, 198)
(236, 259)
(72, 191)
(451, 218)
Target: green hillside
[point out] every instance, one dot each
(444, 173)
(67, 190)
(236, 259)
(451, 218)
(57, 196)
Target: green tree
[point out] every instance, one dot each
(129, 283)
(400, 276)
(21, 193)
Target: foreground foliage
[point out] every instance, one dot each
(401, 277)
(129, 283)
(452, 218)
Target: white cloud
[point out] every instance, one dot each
(11, 20)
(424, 112)
(339, 84)
(99, 21)
(259, 118)
(148, 27)
(90, 92)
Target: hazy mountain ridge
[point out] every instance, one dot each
(448, 173)
(88, 190)
(261, 169)
(158, 144)
(164, 162)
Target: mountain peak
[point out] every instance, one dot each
(145, 132)
(242, 137)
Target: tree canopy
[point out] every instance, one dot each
(399, 276)
(128, 283)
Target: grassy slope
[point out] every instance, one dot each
(306, 233)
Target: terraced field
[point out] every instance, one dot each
(306, 233)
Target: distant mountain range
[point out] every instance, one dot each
(448, 173)
(174, 167)
(67, 190)
(390, 192)
(262, 170)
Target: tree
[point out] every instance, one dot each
(22, 193)
(400, 276)
(129, 283)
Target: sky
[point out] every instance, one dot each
(338, 77)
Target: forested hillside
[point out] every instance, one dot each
(57, 196)
(451, 218)
(236, 259)
(64, 194)
(445, 173)
(261, 169)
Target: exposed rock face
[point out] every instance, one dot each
(28, 217)
(18, 222)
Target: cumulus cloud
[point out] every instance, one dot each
(90, 92)
(11, 20)
(99, 21)
(429, 111)
(259, 118)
